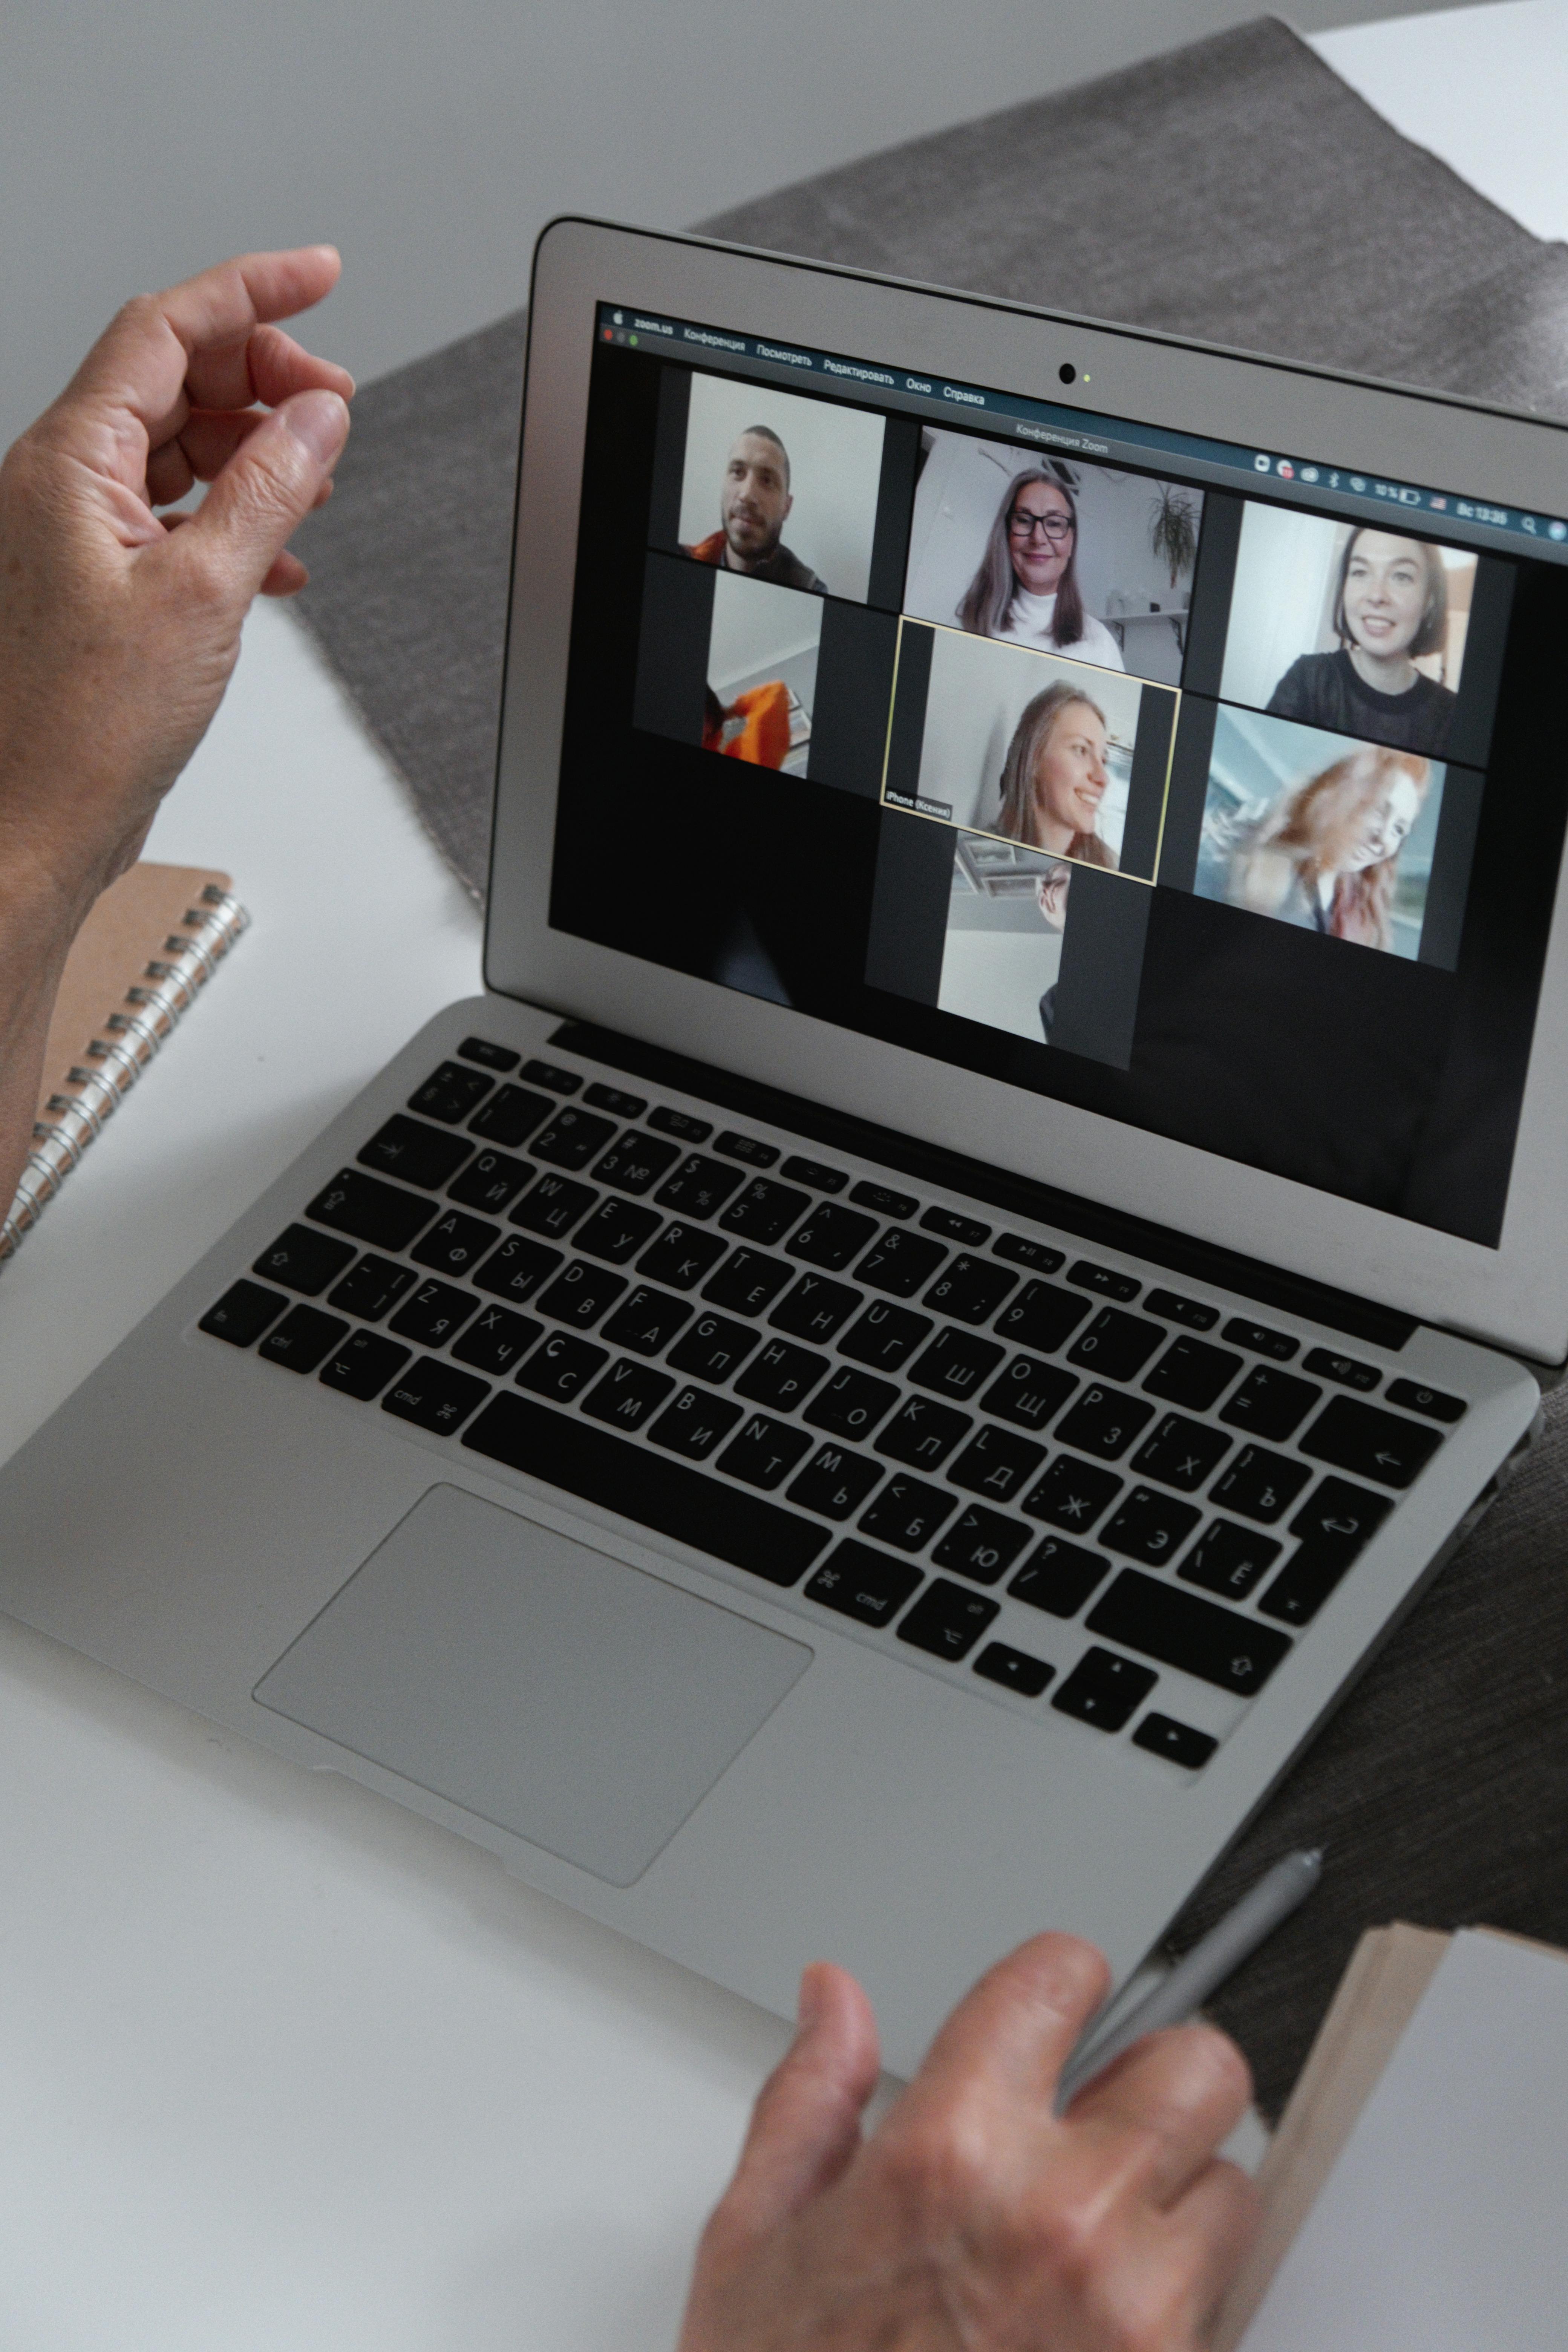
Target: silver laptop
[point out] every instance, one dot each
(1000, 1213)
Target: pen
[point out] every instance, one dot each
(1204, 1969)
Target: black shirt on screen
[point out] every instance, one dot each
(1327, 690)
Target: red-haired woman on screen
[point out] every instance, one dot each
(1326, 854)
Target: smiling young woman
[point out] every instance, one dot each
(1390, 611)
(1054, 777)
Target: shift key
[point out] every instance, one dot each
(1215, 1644)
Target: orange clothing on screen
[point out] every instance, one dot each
(763, 736)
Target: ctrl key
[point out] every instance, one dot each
(862, 1584)
(242, 1313)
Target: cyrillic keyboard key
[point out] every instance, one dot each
(995, 1462)
(1172, 1308)
(681, 1256)
(954, 1228)
(414, 1153)
(1060, 1577)
(862, 1584)
(635, 1162)
(1260, 1340)
(450, 1093)
(1150, 1525)
(491, 1056)
(369, 1288)
(982, 1544)
(699, 1186)
(1229, 1560)
(816, 1308)
(303, 1261)
(1015, 1670)
(1260, 1484)
(573, 1137)
(516, 1269)
(435, 1310)
(1028, 1393)
(1071, 1495)
(562, 1366)
(1117, 1346)
(1103, 1690)
(1217, 1645)
(907, 1514)
(498, 1342)
(1272, 1404)
(884, 1335)
(763, 1450)
(372, 1210)
(923, 1434)
(851, 1405)
(748, 1282)
(1431, 1402)
(1181, 1453)
(492, 1181)
(242, 1313)
(695, 1423)
(362, 1367)
(628, 1394)
(957, 1363)
(1344, 1370)
(455, 1242)
(581, 1293)
(1104, 1422)
(1086, 1275)
(647, 1320)
(947, 1621)
(511, 1117)
(617, 1230)
(764, 1212)
(434, 1396)
(713, 1348)
(781, 1376)
(1041, 1316)
(650, 1491)
(971, 1290)
(898, 1262)
(553, 1206)
(1161, 1735)
(836, 1482)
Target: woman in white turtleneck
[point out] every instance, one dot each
(1027, 589)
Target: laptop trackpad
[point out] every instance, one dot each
(577, 1702)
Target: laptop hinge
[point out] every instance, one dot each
(1293, 1294)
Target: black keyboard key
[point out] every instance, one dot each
(885, 1336)
(695, 1423)
(883, 1199)
(1335, 1524)
(982, 1544)
(699, 1186)
(1103, 1690)
(996, 1462)
(1260, 1484)
(629, 1395)
(613, 1099)
(766, 1210)
(680, 1123)
(1060, 1577)
(714, 1348)
(1300, 1589)
(748, 1148)
(1161, 1735)
(1015, 1670)
(1023, 1251)
(553, 1206)
(954, 1228)
(362, 1367)
(571, 1138)
(1104, 1422)
(516, 1270)
(681, 1256)
(635, 1162)
(1181, 1453)
(851, 1405)
(1028, 1393)
(1150, 1527)
(302, 1338)
(1346, 1371)
(907, 1512)
(303, 1261)
(1072, 1493)
(491, 1057)
(1195, 1636)
(1086, 1275)
(688, 1505)
(450, 1093)
(1431, 1402)
(816, 1308)
(898, 1262)
(862, 1584)
(617, 1230)
(1229, 1560)
(1193, 1374)
(549, 1074)
(781, 1376)
(580, 1294)
(1260, 1340)
(434, 1396)
(434, 1313)
(242, 1313)
(748, 1282)
(382, 1214)
(813, 1172)
(561, 1366)
(511, 1117)
(836, 1482)
(1117, 1346)
(832, 1235)
(418, 1154)
(647, 1320)
(371, 1287)
(922, 1434)
(971, 1290)
(1041, 1316)
(1172, 1308)
(492, 1181)
(497, 1341)
(947, 1621)
(455, 1242)
(1272, 1404)
(957, 1363)
(764, 1451)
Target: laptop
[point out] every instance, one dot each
(997, 1217)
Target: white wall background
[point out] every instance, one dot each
(960, 490)
(835, 469)
(757, 629)
(978, 690)
(997, 963)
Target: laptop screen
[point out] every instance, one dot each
(1214, 789)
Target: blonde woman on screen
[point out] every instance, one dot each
(1054, 777)
(1027, 589)
(1326, 854)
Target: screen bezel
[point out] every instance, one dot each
(1515, 1296)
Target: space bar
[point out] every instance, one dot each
(664, 1495)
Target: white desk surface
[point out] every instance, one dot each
(282, 2064)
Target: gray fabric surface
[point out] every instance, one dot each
(1236, 191)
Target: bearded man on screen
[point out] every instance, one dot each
(754, 502)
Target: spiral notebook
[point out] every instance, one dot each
(151, 944)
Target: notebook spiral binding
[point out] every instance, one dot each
(134, 1032)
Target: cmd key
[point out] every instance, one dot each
(1373, 1443)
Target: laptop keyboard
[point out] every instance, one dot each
(1084, 1488)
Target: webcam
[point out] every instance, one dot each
(1067, 373)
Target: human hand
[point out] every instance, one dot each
(973, 2218)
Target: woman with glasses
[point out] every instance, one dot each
(1027, 589)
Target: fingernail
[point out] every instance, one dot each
(319, 422)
